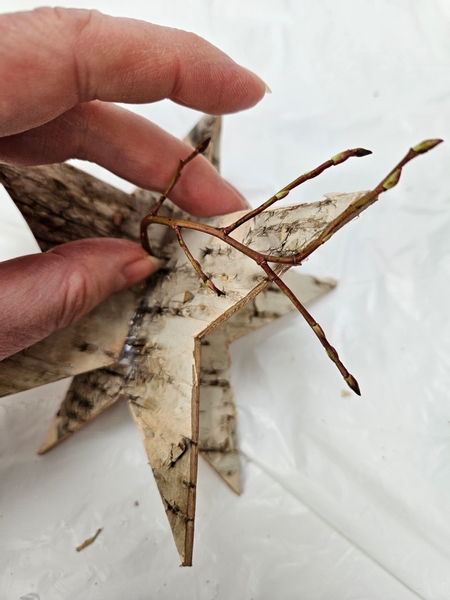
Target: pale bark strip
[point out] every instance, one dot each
(163, 393)
(271, 303)
(89, 395)
(218, 442)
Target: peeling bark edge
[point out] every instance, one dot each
(193, 470)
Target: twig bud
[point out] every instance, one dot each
(362, 152)
(342, 156)
(392, 179)
(353, 384)
(426, 145)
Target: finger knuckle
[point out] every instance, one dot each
(75, 297)
(79, 26)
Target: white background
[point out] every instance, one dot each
(344, 497)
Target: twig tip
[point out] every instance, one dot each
(362, 152)
(426, 145)
(353, 384)
(203, 145)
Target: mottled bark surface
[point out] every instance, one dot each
(61, 203)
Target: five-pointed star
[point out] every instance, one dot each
(163, 346)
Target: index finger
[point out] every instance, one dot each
(53, 58)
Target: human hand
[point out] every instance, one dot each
(60, 70)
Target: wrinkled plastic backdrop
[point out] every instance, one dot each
(344, 497)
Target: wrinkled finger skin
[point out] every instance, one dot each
(61, 71)
(44, 292)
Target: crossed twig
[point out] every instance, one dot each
(263, 260)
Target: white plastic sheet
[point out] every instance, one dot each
(344, 497)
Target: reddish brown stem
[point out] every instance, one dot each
(199, 149)
(332, 352)
(195, 263)
(353, 210)
(335, 160)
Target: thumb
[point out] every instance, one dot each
(43, 292)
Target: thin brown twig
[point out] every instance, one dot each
(199, 149)
(332, 352)
(352, 211)
(335, 160)
(196, 264)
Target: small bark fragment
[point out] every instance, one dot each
(89, 541)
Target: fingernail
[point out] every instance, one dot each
(244, 202)
(268, 90)
(138, 270)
